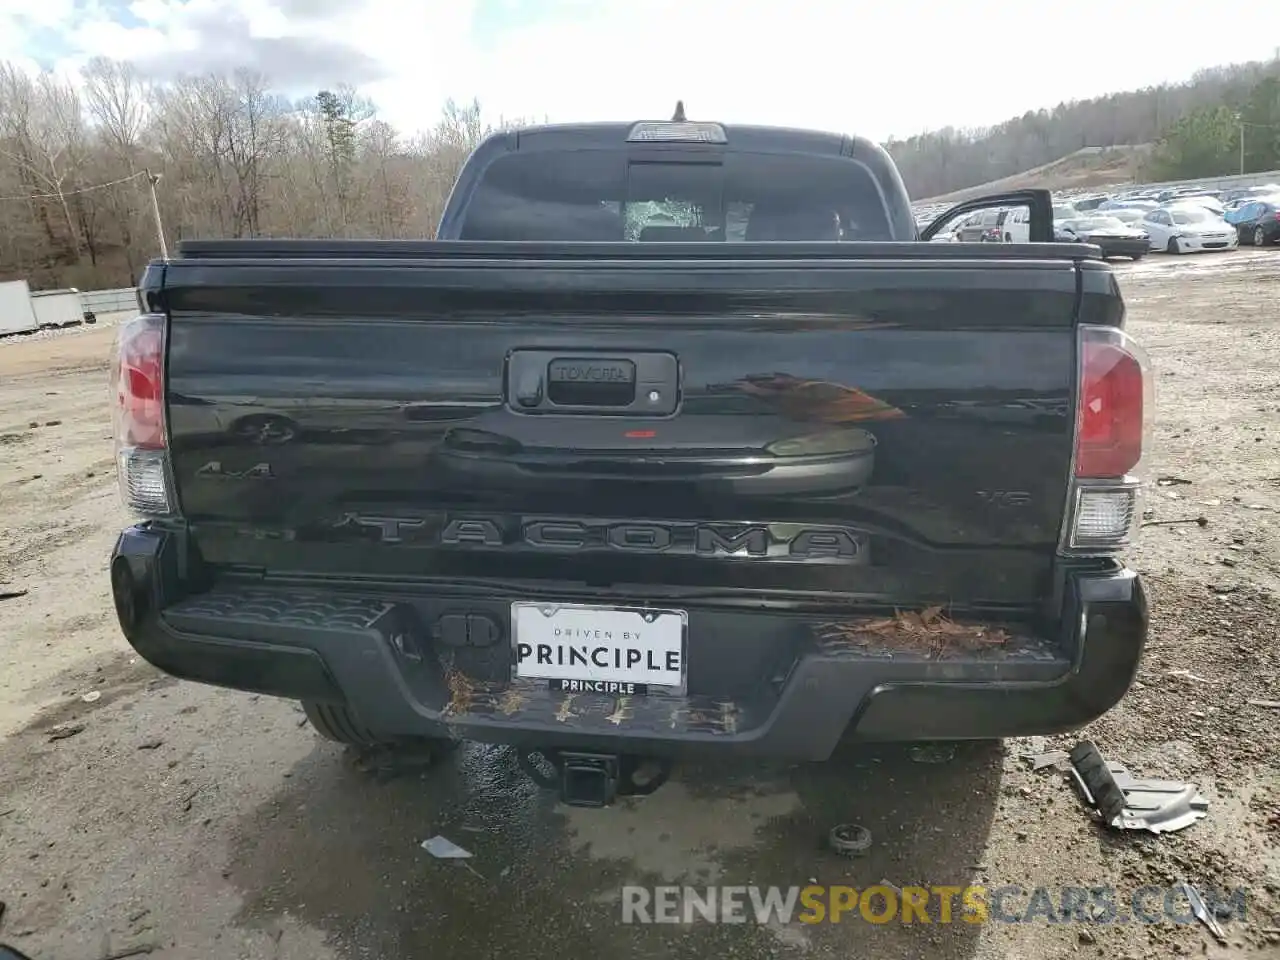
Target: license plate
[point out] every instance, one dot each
(587, 649)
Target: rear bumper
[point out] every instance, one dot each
(761, 682)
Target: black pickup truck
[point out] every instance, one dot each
(680, 438)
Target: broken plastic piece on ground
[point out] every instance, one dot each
(933, 752)
(442, 848)
(849, 839)
(1200, 911)
(1173, 481)
(92, 696)
(1126, 803)
(1267, 704)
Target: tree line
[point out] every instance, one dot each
(1235, 136)
(1188, 122)
(236, 159)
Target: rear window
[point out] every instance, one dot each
(602, 195)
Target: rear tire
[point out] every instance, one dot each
(1172, 246)
(335, 722)
(1259, 237)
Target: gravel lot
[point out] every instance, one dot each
(189, 822)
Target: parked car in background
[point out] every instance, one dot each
(1064, 211)
(1210, 203)
(985, 227)
(1257, 222)
(1128, 203)
(1089, 203)
(1187, 230)
(1249, 193)
(1129, 216)
(1017, 225)
(1112, 236)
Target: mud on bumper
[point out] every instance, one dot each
(761, 682)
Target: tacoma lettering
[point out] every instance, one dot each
(753, 540)
(780, 541)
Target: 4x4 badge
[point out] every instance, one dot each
(213, 471)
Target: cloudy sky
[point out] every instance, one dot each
(880, 69)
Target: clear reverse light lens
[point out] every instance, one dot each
(144, 481)
(1104, 517)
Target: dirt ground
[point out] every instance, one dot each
(183, 821)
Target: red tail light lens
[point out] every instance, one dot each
(138, 383)
(1112, 404)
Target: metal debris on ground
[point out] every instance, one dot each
(1173, 481)
(1201, 521)
(929, 630)
(442, 848)
(1187, 675)
(933, 752)
(1200, 911)
(849, 839)
(1052, 758)
(1127, 803)
(92, 696)
(1267, 704)
(64, 730)
(12, 594)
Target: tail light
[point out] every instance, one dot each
(1114, 395)
(137, 382)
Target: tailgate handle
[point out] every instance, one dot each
(589, 382)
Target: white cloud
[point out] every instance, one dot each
(873, 68)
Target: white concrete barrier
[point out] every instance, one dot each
(16, 313)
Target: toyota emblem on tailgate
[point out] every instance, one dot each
(572, 370)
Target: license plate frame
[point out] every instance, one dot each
(620, 614)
